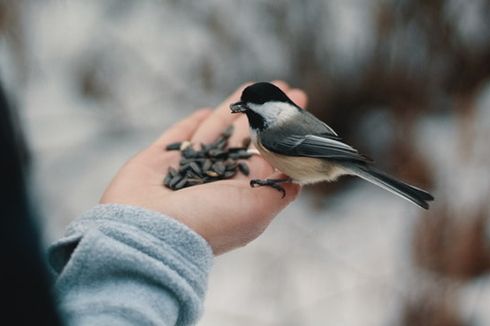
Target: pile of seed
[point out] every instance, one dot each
(212, 162)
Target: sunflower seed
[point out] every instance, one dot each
(215, 144)
(230, 165)
(185, 161)
(244, 155)
(167, 179)
(173, 146)
(194, 181)
(219, 167)
(228, 131)
(172, 172)
(236, 149)
(184, 145)
(206, 165)
(221, 144)
(176, 179)
(241, 154)
(243, 167)
(192, 175)
(246, 142)
(211, 162)
(184, 168)
(204, 147)
(195, 168)
(217, 153)
(189, 152)
(180, 184)
(212, 174)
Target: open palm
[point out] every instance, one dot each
(227, 213)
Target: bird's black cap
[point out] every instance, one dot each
(263, 92)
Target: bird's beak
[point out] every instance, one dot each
(239, 107)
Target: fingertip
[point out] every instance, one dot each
(245, 84)
(202, 112)
(298, 96)
(281, 84)
(240, 88)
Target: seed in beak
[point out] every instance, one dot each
(238, 107)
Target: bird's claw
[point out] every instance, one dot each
(273, 183)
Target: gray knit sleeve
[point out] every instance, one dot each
(124, 265)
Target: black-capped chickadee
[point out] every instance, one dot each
(306, 149)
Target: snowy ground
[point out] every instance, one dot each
(346, 264)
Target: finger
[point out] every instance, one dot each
(299, 97)
(281, 84)
(219, 120)
(241, 131)
(156, 157)
(184, 129)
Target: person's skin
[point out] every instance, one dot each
(227, 213)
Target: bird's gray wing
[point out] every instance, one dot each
(324, 146)
(319, 127)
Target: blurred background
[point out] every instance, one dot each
(405, 81)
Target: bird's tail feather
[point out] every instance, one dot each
(411, 193)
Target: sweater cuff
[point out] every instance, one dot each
(180, 249)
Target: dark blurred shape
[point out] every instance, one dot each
(92, 83)
(12, 32)
(451, 247)
(26, 287)
(434, 308)
(409, 165)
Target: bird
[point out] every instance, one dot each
(306, 149)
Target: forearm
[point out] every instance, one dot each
(124, 265)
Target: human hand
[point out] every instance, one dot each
(227, 213)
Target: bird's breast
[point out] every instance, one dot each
(303, 170)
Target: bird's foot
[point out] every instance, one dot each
(273, 183)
